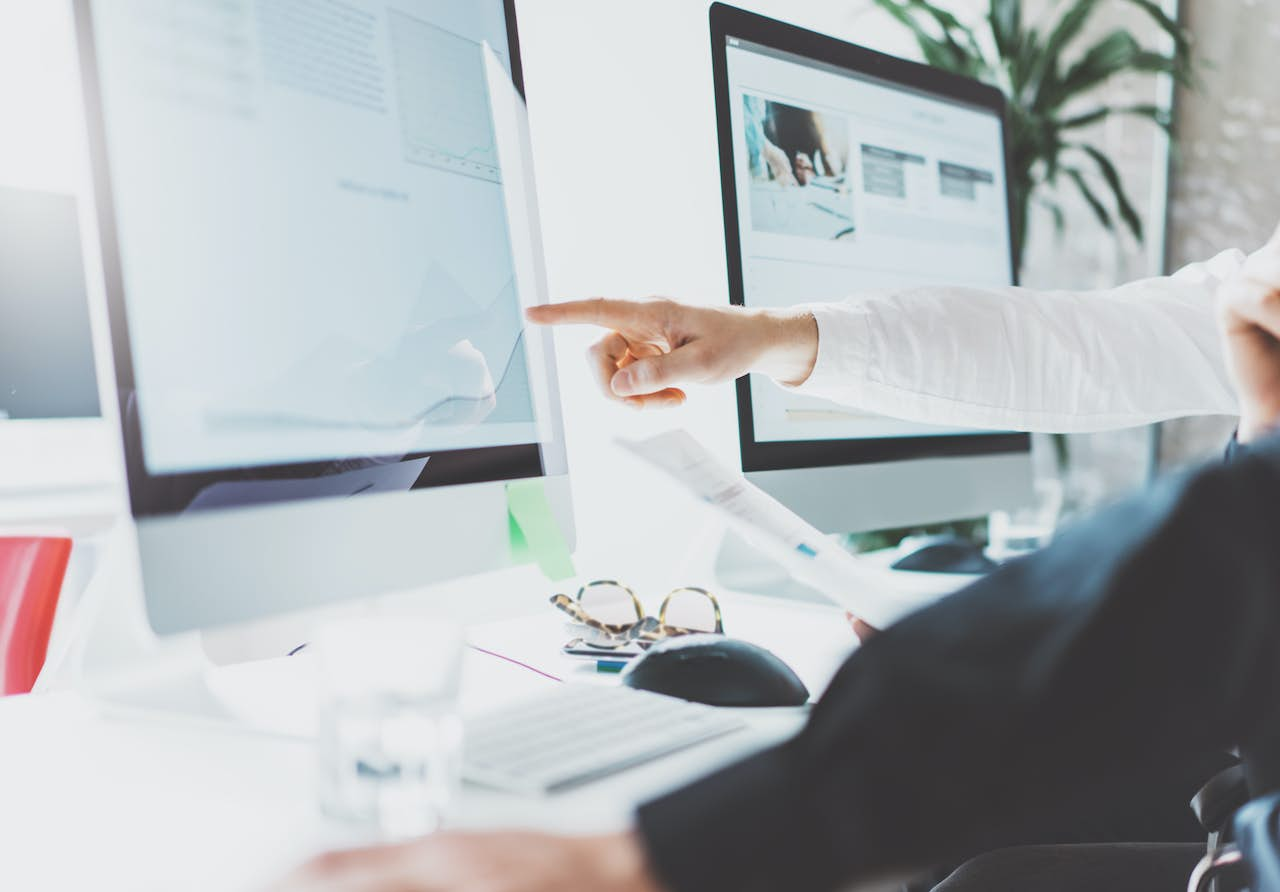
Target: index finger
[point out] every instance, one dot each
(597, 311)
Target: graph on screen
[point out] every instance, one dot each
(458, 363)
(444, 102)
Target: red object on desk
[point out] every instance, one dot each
(31, 572)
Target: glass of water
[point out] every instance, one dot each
(390, 733)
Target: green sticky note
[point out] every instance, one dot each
(519, 545)
(534, 532)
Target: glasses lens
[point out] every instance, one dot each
(690, 608)
(610, 603)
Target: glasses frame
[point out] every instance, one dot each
(646, 629)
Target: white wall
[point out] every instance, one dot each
(40, 142)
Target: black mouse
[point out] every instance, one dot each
(946, 554)
(716, 670)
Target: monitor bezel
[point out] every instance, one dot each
(730, 22)
(152, 494)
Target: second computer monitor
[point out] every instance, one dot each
(847, 171)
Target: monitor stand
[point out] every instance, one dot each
(741, 567)
(110, 654)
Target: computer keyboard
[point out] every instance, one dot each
(578, 733)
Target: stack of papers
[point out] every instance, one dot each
(877, 595)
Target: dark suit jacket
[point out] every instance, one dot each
(1100, 673)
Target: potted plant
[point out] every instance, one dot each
(1045, 76)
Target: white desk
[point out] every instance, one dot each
(91, 799)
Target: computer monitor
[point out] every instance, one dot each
(315, 294)
(53, 438)
(898, 177)
(52, 435)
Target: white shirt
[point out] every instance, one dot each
(1019, 359)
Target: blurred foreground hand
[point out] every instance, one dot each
(482, 862)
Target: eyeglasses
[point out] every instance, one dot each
(611, 615)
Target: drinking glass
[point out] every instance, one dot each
(390, 733)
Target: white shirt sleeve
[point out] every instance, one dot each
(1018, 359)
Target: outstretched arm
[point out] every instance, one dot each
(1022, 359)
(997, 358)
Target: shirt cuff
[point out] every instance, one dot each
(747, 828)
(844, 352)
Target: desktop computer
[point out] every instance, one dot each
(844, 172)
(315, 299)
(319, 234)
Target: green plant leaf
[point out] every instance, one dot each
(967, 53)
(1067, 29)
(1158, 115)
(1006, 26)
(1086, 119)
(1115, 53)
(948, 52)
(1023, 59)
(949, 23)
(936, 52)
(1099, 209)
(1157, 63)
(1059, 217)
(1112, 177)
(1181, 40)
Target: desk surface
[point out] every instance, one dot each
(93, 798)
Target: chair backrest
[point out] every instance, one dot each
(31, 573)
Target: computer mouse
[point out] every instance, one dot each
(716, 670)
(946, 554)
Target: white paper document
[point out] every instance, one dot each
(875, 594)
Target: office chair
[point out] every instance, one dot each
(1251, 863)
(1244, 832)
(31, 573)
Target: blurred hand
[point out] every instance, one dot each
(656, 347)
(779, 164)
(805, 171)
(861, 629)
(482, 862)
(1249, 315)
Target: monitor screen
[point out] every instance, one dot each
(314, 262)
(846, 181)
(46, 340)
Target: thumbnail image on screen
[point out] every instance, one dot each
(799, 165)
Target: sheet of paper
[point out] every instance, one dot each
(877, 595)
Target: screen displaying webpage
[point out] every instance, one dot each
(313, 235)
(845, 185)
